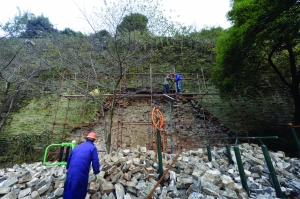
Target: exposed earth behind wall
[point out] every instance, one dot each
(191, 122)
(132, 125)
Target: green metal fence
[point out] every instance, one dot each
(240, 163)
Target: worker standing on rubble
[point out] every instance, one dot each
(178, 81)
(78, 167)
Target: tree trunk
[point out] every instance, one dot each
(295, 82)
(111, 116)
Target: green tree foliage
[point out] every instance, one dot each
(27, 25)
(38, 27)
(263, 42)
(103, 33)
(17, 25)
(99, 40)
(132, 22)
(188, 51)
(70, 32)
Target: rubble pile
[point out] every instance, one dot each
(133, 173)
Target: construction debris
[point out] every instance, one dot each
(133, 173)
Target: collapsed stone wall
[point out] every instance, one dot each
(132, 124)
(133, 173)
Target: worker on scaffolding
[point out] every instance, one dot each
(78, 167)
(178, 82)
(167, 81)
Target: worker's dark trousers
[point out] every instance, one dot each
(166, 89)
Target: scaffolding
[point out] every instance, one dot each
(146, 87)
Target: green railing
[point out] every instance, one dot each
(240, 163)
(70, 146)
(292, 128)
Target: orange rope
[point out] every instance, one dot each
(157, 118)
(158, 123)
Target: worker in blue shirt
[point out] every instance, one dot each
(178, 81)
(78, 167)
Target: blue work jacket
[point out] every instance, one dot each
(78, 167)
(177, 77)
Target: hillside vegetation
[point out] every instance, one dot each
(39, 67)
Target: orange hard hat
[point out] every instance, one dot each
(91, 135)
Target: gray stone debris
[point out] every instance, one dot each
(133, 174)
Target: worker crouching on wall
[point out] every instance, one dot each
(78, 167)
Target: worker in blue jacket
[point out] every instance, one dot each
(178, 81)
(78, 167)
